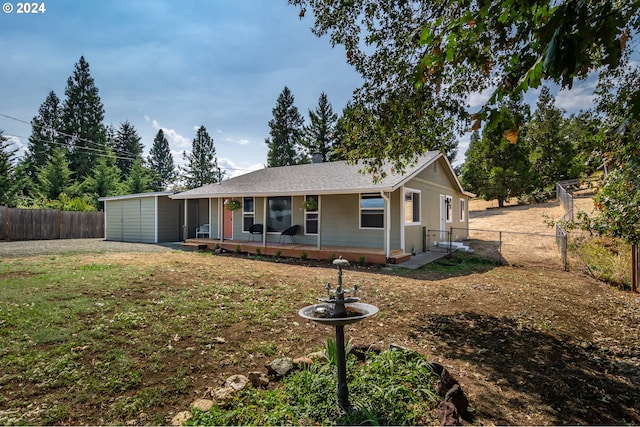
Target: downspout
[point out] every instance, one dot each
(387, 227)
(185, 231)
(265, 202)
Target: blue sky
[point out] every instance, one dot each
(177, 65)
(173, 65)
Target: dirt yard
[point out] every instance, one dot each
(529, 343)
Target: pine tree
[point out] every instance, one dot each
(286, 132)
(160, 161)
(83, 113)
(45, 128)
(321, 135)
(8, 191)
(202, 163)
(552, 151)
(139, 178)
(104, 179)
(55, 177)
(127, 147)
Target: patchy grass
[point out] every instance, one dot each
(605, 258)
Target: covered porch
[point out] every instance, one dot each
(294, 250)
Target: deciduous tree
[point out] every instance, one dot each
(421, 60)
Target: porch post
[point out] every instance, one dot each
(319, 236)
(264, 221)
(387, 224)
(185, 230)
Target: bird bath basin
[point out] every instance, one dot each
(337, 310)
(321, 313)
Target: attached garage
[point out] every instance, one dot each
(143, 218)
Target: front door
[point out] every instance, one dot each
(227, 223)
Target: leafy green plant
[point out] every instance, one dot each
(238, 249)
(391, 388)
(361, 260)
(331, 350)
(258, 252)
(278, 253)
(304, 256)
(332, 257)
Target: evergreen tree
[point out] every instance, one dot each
(552, 150)
(55, 177)
(160, 161)
(286, 132)
(8, 191)
(321, 135)
(139, 178)
(584, 130)
(82, 114)
(104, 179)
(126, 147)
(202, 163)
(45, 128)
(496, 168)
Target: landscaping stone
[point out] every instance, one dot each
(181, 418)
(237, 382)
(280, 367)
(202, 404)
(223, 396)
(258, 379)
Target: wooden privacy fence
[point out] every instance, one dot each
(48, 224)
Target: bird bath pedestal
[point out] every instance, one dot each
(336, 310)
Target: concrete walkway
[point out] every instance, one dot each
(422, 258)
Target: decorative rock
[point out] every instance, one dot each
(181, 418)
(258, 379)
(223, 395)
(237, 382)
(448, 414)
(302, 362)
(280, 367)
(202, 404)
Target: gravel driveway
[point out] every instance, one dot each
(46, 247)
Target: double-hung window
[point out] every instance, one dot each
(411, 206)
(463, 209)
(248, 213)
(311, 215)
(371, 211)
(448, 203)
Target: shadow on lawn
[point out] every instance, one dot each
(576, 385)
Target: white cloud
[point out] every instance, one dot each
(232, 169)
(177, 142)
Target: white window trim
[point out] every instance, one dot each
(316, 212)
(463, 208)
(404, 213)
(253, 213)
(360, 209)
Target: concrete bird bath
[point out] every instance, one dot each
(338, 310)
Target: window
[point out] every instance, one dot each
(463, 208)
(248, 213)
(278, 213)
(311, 215)
(411, 206)
(448, 205)
(371, 211)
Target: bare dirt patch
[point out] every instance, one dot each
(529, 343)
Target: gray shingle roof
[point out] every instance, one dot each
(316, 178)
